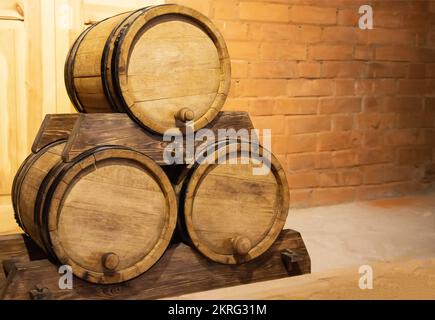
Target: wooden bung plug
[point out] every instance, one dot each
(241, 245)
(185, 115)
(110, 261)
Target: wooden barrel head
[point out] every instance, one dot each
(233, 216)
(173, 68)
(112, 215)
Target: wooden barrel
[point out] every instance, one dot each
(163, 65)
(110, 214)
(227, 212)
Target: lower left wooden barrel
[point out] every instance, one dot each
(110, 214)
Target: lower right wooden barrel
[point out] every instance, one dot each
(233, 213)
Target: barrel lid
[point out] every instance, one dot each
(172, 67)
(112, 215)
(231, 215)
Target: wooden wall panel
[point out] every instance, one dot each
(13, 142)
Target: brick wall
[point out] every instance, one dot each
(352, 111)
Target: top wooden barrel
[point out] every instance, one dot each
(162, 65)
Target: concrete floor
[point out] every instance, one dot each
(360, 233)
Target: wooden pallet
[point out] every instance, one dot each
(29, 275)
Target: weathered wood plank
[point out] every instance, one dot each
(55, 127)
(93, 130)
(18, 247)
(180, 271)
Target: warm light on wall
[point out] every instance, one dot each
(65, 16)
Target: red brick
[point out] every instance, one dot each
(303, 180)
(344, 159)
(323, 160)
(308, 34)
(416, 120)
(296, 106)
(374, 156)
(202, 6)
(414, 156)
(313, 15)
(372, 139)
(310, 88)
(373, 174)
(340, 105)
(261, 107)
(384, 86)
(331, 196)
(260, 87)
(391, 36)
(412, 86)
(338, 179)
(394, 104)
(302, 143)
(281, 69)
(430, 70)
(430, 137)
(263, 12)
(300, 198)
(376, 120)
(232, 30)
(344, 70)
(279, 144)
(388, 70)
(297, 125)
(383, 191)
(344, 87)
(344, 34)
(337, 140)
(364, 86)
(417, 70)
(239, 69)
(276, 123)
(347, 17)
(342, 123)
(404, 137)
(297, 162)
(228, 9)
(309, 69)
(243, 50)
(415, 21)
(331, 52)
(393, 53)
(283, 51)
(385, 19)
(364, 53)
(396, 174)
(429, 104)
(236, 104)
(279, 32)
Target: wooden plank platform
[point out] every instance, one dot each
(180, 271)
(55, 127)
(94, 130)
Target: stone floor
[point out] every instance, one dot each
(359, 233)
